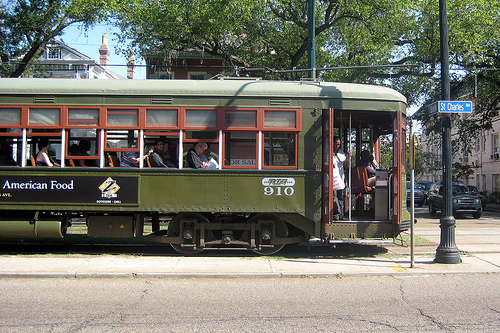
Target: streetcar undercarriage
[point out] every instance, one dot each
(187, 232)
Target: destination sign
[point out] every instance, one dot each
(450, 107)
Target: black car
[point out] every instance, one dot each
(473, 190)
(463, 201)
(418, 195)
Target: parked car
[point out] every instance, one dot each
(418, 195)
(463, 201)
(425, 187)
(473, 190)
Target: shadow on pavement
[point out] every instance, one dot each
(338, 251)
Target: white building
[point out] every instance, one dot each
(61, 61)
(484, 159)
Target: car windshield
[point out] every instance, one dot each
(408, 186)
(456, 189)
(473, 190)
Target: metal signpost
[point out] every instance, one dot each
(447, 252)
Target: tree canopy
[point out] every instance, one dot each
(27, 26)
(389, 42)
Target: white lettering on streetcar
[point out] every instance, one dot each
(278, 186)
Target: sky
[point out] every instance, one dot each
(89, 43)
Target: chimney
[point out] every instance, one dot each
(131, 66)
(104, 51)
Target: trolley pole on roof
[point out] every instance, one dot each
(447, 252)
(311, 41)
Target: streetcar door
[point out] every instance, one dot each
(399, 166)
(327, 170)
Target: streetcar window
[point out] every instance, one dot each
(54, 150)
(44, 117)
(10, 130)
(83, 117)
(161, 118)
(240, 149)
(201, 118)
(10, 116)
(123, 117)
(285, 119)
(237, 118)
(279, 149)
(121, 139)
(78, 135)
(201, 135)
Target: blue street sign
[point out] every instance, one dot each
(450, 106)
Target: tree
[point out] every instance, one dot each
(27, 26)
(462, 171)
(474, 33)
(271, 34)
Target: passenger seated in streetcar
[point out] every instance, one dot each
(155, 158)
(210, 154)
(43, 158)
(193, 156)
(6, 153)
(367, 160)
(83, 150)
(169, 154)
(130, 159)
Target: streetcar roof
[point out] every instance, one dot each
(337, 95)
(219, 87)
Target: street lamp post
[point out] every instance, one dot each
(311, 42)
(447, 252)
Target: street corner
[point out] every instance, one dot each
(469, 264)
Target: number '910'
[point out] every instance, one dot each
(279, 190)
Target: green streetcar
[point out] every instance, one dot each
(272, 143)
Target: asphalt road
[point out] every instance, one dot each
(439, 303)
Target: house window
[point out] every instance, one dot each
(54, 53)
(197, 75)
(495, 144)
(496, 183)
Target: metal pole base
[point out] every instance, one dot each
(447, 252)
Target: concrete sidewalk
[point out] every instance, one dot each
(84, 266)
(480, 253)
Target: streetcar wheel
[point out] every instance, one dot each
(187, 223)
(280, 230)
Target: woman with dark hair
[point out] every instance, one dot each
(43, 158)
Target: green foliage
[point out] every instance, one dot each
(462, 171)
(474, 36)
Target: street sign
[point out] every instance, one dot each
(450, 107)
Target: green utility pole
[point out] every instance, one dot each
(447, 252)
(311, 41)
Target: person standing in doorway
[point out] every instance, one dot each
(339, 160)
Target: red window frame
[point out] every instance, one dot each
(223, 158)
